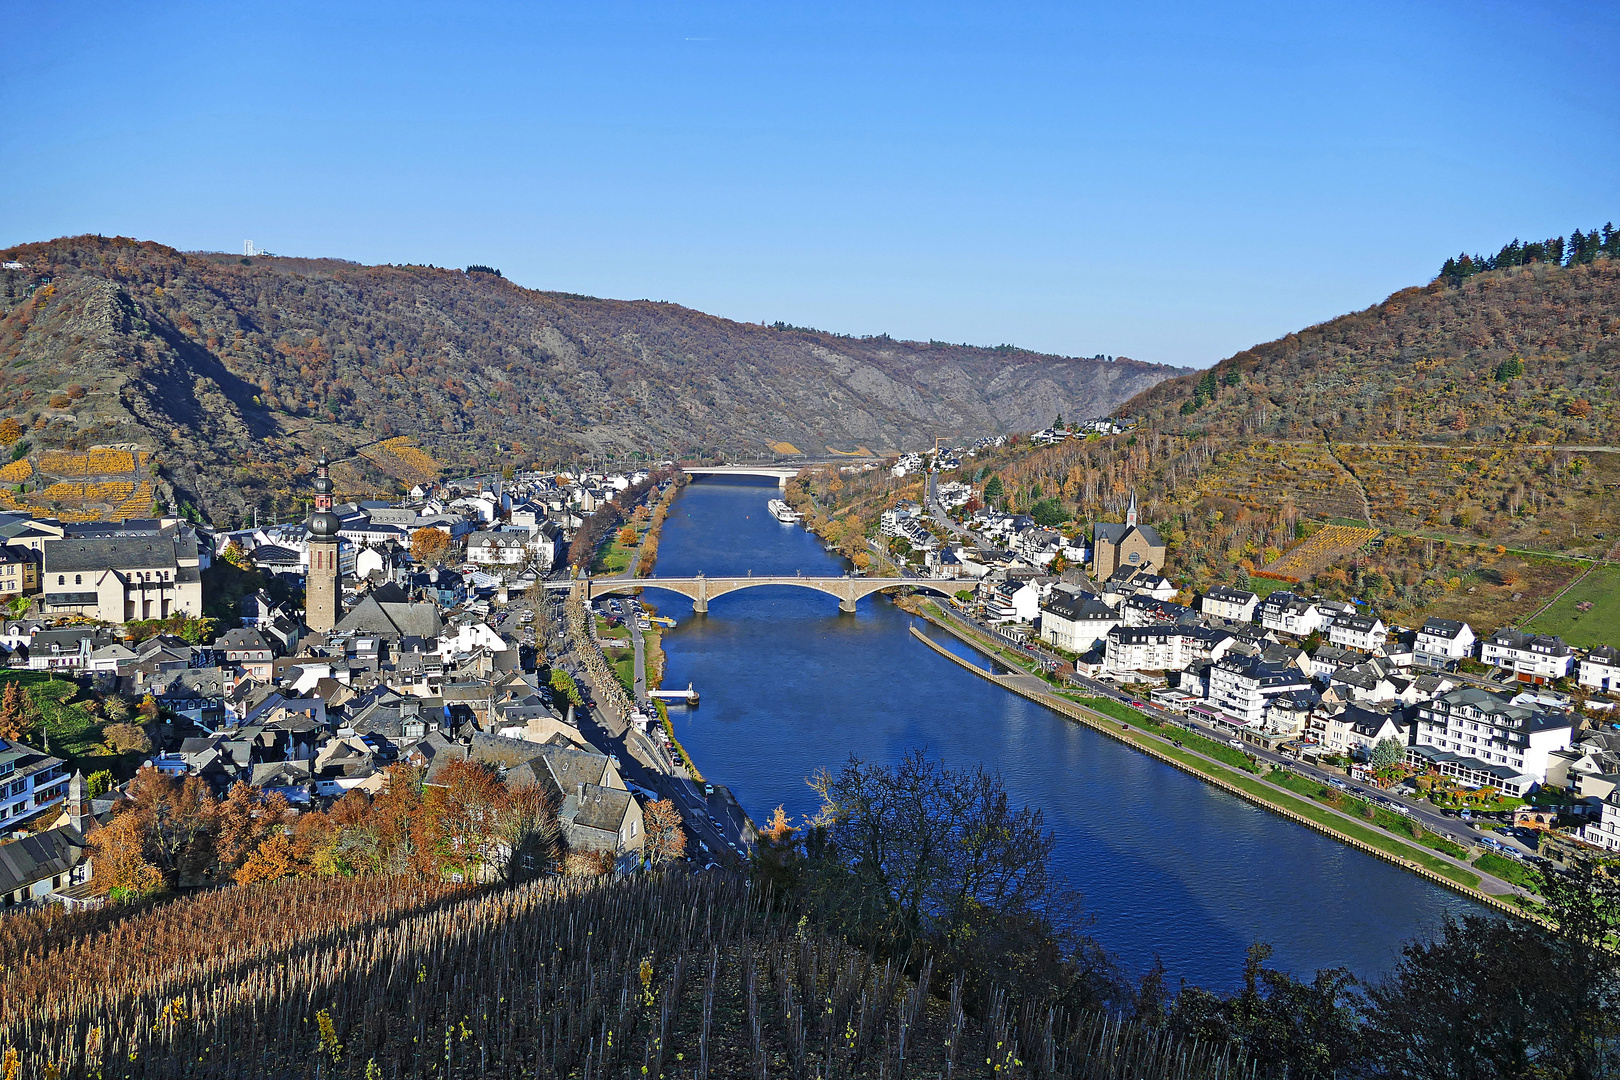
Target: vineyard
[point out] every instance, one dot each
(80, 485)
(673, 976)
(1319, 551)
(403, 459)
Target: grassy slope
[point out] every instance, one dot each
(1598, 626)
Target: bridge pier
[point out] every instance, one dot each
(846, 603)
(700, 602)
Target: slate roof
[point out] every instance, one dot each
(1443, 628)
(103, 553)
(1116, 532)
(39, 856)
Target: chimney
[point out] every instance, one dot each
(579, 791)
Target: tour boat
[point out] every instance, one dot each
(783, 512)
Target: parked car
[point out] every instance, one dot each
(1235, 742)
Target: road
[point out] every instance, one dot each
(1424, 812)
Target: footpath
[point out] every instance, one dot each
(1433, 865)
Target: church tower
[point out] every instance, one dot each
(321, 586)
(1130, 515)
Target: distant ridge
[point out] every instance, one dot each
(232, 370)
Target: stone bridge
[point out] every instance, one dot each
(701, 589)
(781, 474)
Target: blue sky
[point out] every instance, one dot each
(1171, 182)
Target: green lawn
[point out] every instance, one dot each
(1264, 587)
(1443, 846)
(625, 668)
(1231, 755)
(75, 733)
(1509, 870)
(1583, 629)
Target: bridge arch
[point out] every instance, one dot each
(700, 590)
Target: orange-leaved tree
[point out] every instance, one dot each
(454, 830)
(429, 545)
(16, 714)
(666, 838)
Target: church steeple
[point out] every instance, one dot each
(321, 592)
(1130, 514)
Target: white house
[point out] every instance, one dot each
(498, 548)
(1442, 642)
(1290, 614)
(1226, 602)
(1484, 738)
(1535, 658)
(1145, 648)
(1354, 731)
(30, 780)
(1242, 687)
(1364, 632)
(1600, 668)
(1075, 621)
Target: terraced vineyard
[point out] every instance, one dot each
(1320, 550)
(102, 483)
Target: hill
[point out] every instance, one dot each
(1470, 423)
(231, 371)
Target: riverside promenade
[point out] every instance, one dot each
(1363, 836)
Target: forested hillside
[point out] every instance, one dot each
(1465, 420)
(233, 370)
(1520, 355)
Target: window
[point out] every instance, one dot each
(61, 579)
(78, 579)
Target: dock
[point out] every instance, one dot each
(689, 696)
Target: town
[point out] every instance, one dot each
(426, 640)
(1497, 745)
(453, 626)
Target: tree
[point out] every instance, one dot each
(123, 872)
(16, 714)
(429, 545)
(10, 430)
(525, 832)
(126, 739)
(176, 820)
(564, 684)
(993, 488)
(1303, 1030)
(244, 820)
(456, 824)
(917, 854)
(666, 836)
(627, 537)
(99, 782)
(276, 857)
(777, 860)
(1388, 752)
(237, 556)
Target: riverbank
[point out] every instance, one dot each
(1433, 866)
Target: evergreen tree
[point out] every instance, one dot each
(993, 488)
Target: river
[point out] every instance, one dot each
(1167, 865)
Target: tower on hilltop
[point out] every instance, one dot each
(321, 587)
